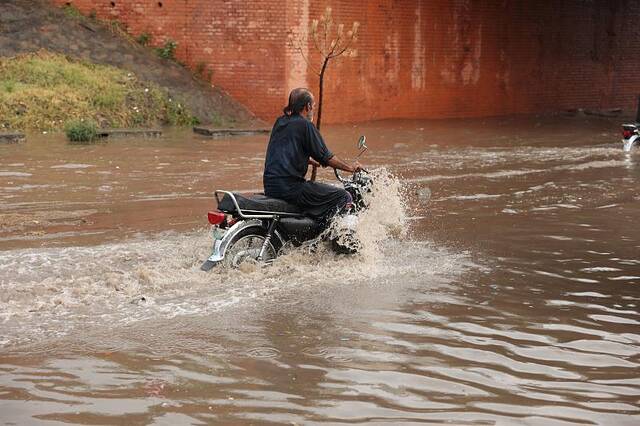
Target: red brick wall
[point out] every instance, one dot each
(416, 59)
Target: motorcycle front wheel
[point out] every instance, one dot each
(246, 246)
(349, 244)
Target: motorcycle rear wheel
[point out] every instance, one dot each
(246, 246)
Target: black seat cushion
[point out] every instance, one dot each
(257, 203)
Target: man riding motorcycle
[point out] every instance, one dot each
(293, 210)
(295, 144)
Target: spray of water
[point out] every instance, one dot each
(383, 219)
(52, 291)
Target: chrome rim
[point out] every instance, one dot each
(248, 248)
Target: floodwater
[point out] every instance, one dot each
(513, 297)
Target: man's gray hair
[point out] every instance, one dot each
(298, 99)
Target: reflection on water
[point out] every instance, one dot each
(514, 301)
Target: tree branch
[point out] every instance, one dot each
(344, 49)
(315, 42)
(308, 62)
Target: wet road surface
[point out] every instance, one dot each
(513, 298)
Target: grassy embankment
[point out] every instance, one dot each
(46, 91)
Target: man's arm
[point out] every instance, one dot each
(320, 154)
(337, 163)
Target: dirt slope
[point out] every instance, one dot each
(30, 25)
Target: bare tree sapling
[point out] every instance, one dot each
(327, 45)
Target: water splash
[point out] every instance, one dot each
(52, 291)
(384, 218)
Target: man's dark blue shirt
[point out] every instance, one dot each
(293, 140)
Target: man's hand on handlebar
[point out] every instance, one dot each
(356, 167)
(337, 163)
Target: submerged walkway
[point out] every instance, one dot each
(11, 137)
(219, 133)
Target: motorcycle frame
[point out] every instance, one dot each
(220, 246)
(256, 219)
(249, 219)
(635, 137)
(628, 143)
(254, 214)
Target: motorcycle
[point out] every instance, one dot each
(630, 136)
(256, 227)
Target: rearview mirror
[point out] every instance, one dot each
(362, 142)
(362, 145)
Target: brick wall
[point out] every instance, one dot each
(416, 59)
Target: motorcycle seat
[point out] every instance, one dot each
(258, 204)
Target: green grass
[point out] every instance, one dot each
(71, 11)
(43, 91)
(81, 131)
(8, 86)
(144, 39)
(168, 50)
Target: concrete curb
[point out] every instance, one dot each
(219, 133)
(12, 137)
(114, 133)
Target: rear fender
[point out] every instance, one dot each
(220, 246)
(628, 143)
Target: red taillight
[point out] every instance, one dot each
(216, 217)
(627, 133)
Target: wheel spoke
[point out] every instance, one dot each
(249, 247)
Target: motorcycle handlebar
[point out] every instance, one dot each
(341, 179)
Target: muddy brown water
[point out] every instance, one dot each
(513, 299)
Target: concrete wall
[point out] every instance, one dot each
(416, 59)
